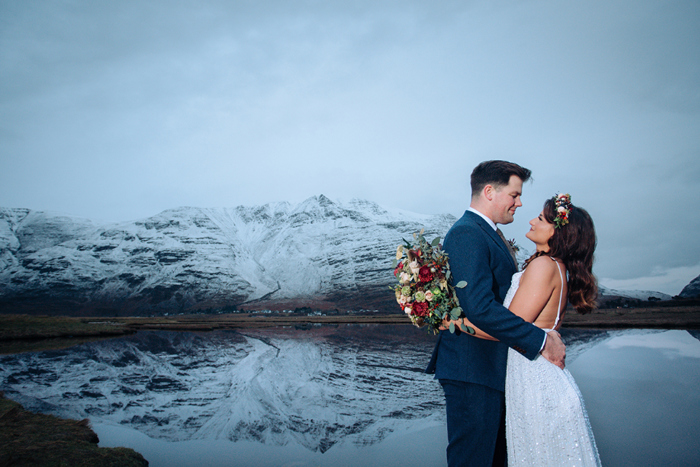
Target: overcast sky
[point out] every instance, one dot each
(118, 110)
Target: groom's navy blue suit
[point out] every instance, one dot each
(471, 370)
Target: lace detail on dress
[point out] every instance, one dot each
(546, 420)
(514, 284)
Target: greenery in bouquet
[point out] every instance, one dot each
(424, 289)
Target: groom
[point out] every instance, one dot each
(472, 371)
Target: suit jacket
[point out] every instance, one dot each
(479, 256)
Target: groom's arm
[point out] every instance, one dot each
(469, 255)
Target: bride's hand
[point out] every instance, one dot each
(445, 324)
(554, 349)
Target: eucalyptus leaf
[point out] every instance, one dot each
(436, 242)
(452, 327)
(461, 284)
(394, 263)
(455, 313)
(467, 329)
(448, 274)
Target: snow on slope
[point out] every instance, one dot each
(193, 258)
(638, 294)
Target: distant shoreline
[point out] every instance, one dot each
(663, 317)
(29, 332)
(685, 317)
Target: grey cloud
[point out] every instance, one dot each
(117, 110)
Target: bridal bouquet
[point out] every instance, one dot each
(424, 290)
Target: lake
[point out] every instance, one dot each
(346, 395)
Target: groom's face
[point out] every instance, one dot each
(506, 200)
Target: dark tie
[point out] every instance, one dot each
(508, 245)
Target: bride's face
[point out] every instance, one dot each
(540, 231)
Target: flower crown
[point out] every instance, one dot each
(562, 204)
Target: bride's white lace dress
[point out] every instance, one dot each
(546, 421)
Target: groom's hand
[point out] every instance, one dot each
(554, 349)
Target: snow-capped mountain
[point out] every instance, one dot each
(636, 294)
(320, 253)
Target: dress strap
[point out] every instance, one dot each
(561, 293)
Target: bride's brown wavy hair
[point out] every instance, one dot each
(574, 244)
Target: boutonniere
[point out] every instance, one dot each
(514, 246)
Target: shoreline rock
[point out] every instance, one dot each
(29, 439)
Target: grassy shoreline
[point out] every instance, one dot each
(28, 439)
(32, 333)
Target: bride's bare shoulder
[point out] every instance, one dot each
(540, 268)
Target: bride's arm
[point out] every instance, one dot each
(534, 291)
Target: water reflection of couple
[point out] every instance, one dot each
(500, 397)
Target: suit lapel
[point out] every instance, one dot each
(493, 235)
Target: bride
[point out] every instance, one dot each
(546, 421)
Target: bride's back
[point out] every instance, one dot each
(541, 293)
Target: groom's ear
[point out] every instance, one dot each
(487, 192)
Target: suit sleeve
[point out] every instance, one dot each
(470, 257)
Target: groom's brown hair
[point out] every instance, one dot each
(496, 173)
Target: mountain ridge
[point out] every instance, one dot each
(692, 289)
(187, 259)
(319, 253)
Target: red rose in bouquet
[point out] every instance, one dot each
(420, 308)
(425, 275)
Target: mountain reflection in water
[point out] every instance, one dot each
(335, 395)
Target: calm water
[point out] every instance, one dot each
(340, 396)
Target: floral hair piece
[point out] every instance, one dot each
(562, 204)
